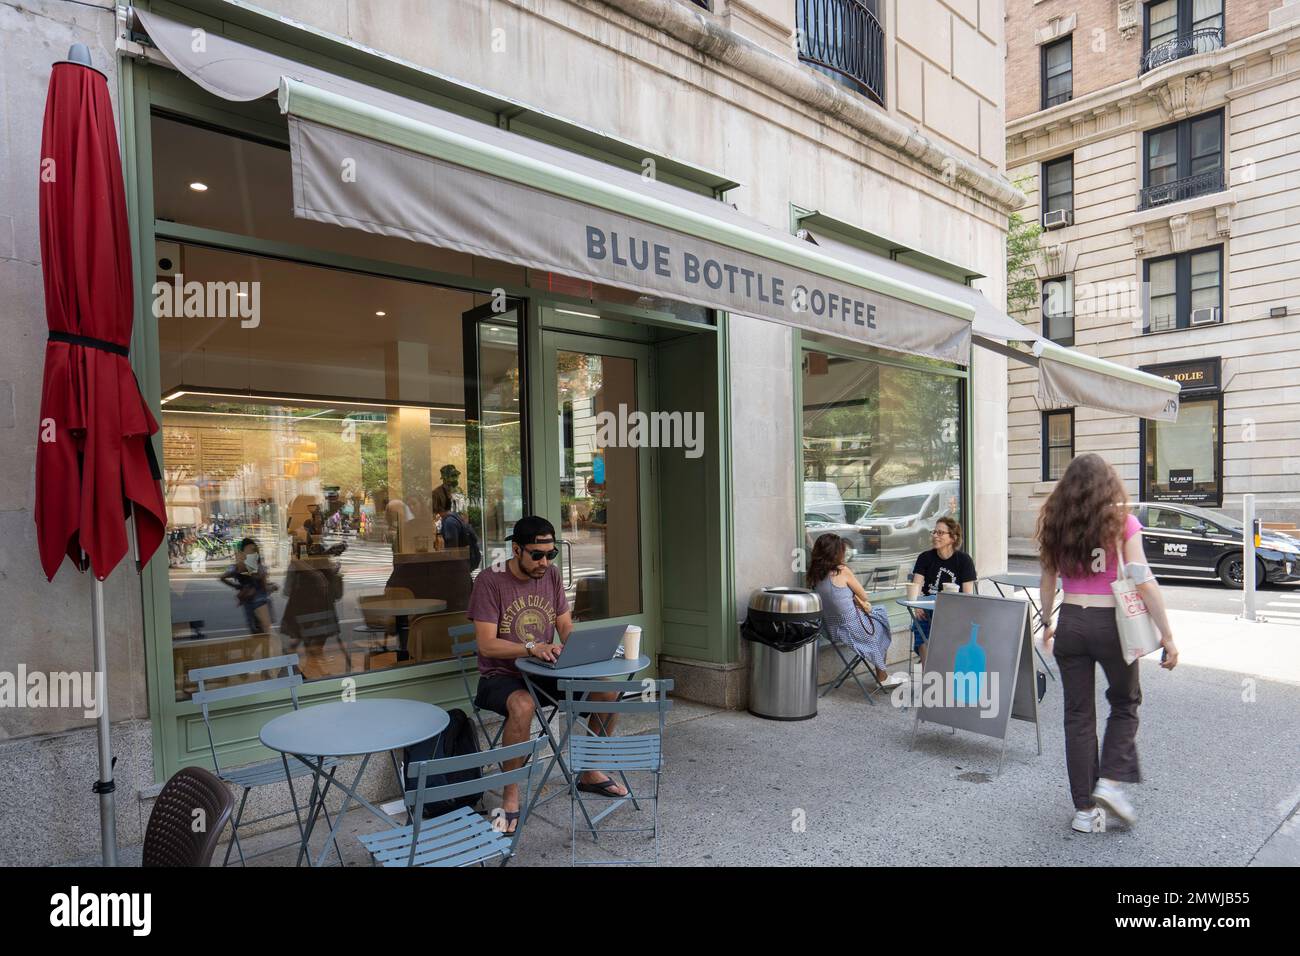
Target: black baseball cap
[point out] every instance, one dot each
(529, 528)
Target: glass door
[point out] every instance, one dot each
(598, 444)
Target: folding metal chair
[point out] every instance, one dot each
(464, 648)
(267, 772)
(462, 837)
(622, 755)
(851, 663)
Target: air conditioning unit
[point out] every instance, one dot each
(1058, 218)
(1205, 316)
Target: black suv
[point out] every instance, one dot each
(1184, 541)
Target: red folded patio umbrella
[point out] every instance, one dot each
(94, 459)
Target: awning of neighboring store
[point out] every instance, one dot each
(1066, 377)
(368, 159)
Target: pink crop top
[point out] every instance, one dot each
(1100, 582)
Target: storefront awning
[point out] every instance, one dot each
(1066, 377)
(368, 159)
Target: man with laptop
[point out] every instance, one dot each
(517, 611)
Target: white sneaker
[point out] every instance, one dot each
(1089, 821)
(1109, 794)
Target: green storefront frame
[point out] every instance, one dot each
(179, 736)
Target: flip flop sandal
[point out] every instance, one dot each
(604, 788)
(510, 816)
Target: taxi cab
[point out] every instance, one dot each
(1186, 541)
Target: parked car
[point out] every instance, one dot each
(1186, 541)
(903, 517)
(823, 498)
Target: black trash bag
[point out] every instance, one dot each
(784, 632)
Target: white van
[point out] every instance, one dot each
(904, 516)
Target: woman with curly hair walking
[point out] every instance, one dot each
(1080, 528)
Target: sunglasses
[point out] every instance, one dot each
(549, 555)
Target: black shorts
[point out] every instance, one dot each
(493, 692)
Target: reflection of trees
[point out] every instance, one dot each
(890, 426)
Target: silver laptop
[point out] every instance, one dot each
(592, 646)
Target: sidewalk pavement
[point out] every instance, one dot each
(1218, 744)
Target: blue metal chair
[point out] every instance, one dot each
(462, 837)
(634, 753)
(267, 772)
(464, 648)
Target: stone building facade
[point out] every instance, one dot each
(915, 162)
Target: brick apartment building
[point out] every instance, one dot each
(1157, 144)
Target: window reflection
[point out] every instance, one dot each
(317, 466)
(882, 460)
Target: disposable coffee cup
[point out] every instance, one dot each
(952, 588)
(632, 642)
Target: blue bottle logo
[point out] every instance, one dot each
(970, 672)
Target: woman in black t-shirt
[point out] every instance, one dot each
(945, 563)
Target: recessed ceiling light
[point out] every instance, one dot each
(381, 314)
(199, 187)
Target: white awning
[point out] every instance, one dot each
(1066, 377)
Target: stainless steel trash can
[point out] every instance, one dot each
(782, 627)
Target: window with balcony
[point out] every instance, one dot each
(1058, 192)
(1174, 29)
(1058, 443)
(1058, 72)
(1058, 310)
(845, 40)
(1184, 290)
(1183, 160)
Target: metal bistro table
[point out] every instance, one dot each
(924, 603)
(1023, 582)
(348, 729)
(617, 667)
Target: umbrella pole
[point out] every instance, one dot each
(105, 785)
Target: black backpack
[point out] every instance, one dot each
(457, 740)
(469, 538)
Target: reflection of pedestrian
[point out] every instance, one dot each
(312, 585)
(444, 496)
(252, 589)
(306, 525)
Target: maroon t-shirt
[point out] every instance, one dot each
(522, 610)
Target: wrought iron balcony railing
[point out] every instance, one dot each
(1185, 44)
(1185, 188)
(843, 39)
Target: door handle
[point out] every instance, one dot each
(568, 563)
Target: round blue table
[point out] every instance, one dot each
(601, 670)
(359, 728)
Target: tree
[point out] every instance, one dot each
(1023, 236)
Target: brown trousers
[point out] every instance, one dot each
(1086, 637)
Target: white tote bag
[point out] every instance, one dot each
(1137, 632)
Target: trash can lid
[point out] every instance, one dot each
(785, 600)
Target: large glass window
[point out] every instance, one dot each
(1182, 458)
(341, 450)
(882, 455)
